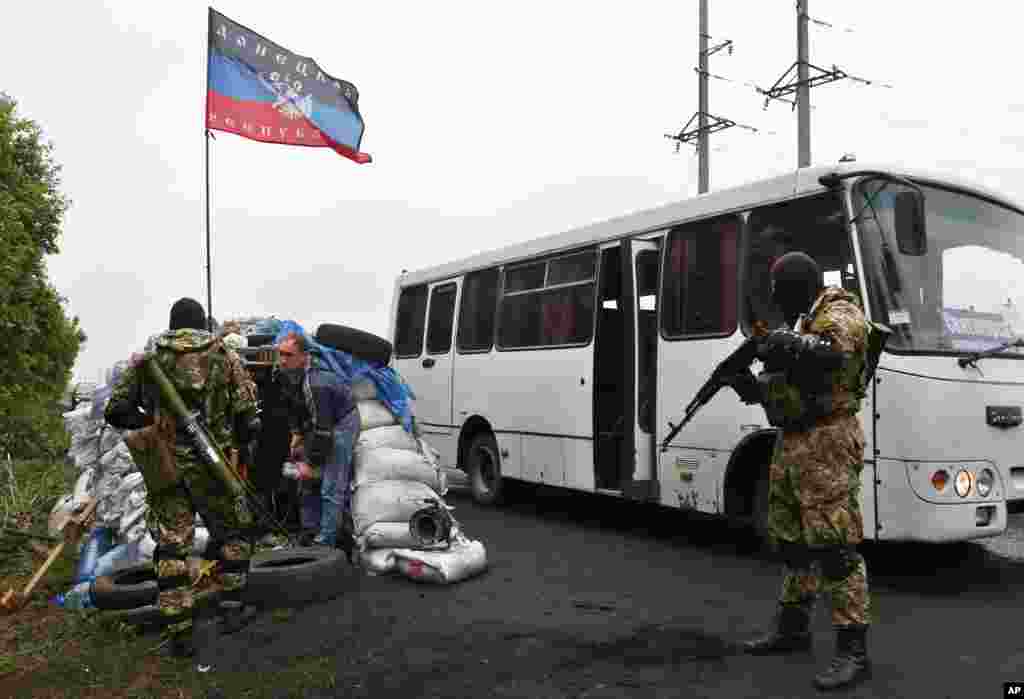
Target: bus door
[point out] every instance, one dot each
(645, 329)
(429, 371)
(624, 370)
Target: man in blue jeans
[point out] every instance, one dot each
(323, 454)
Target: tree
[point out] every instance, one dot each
(40, 342)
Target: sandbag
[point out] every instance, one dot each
(384, 464)
(86, 453)
(377, 561)
(83, 486)
(60, 514)
(391, 436)
(392, 535)
(464, 559)
(373, 413)
(109, 439)
(389, 501)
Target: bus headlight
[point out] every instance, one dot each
(986, 479)
(962, 485)
(939, 480)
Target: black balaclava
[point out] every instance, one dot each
(187, 313)
(796, 282)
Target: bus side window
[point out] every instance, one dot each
(476, 311)
(699, 282)
(814, 225)
(442, 314)
(410, 321)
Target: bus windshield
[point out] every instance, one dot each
(966, 293)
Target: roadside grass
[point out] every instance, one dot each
(50, 652)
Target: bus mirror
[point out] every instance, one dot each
(911, 236)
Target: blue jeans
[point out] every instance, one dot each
(322, 510)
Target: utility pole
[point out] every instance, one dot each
(707, 123)
(803, 92)
(802, 87)
(702, 101)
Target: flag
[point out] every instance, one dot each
(260, 90)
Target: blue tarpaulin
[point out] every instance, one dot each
(391, 388)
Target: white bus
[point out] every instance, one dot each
(562, 360)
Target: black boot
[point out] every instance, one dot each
(850, 665)
(792, 632)
(346, 536)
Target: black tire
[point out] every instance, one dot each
(483, 466)
(358, 343)
(258, 340)
(297, 576)
(129, 588)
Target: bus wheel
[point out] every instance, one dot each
(484, 466)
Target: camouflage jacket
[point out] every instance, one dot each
(797, 400)
(209, 377)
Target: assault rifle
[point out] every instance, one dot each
(247, 501)
(731, 371)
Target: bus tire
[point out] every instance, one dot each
(483, 465)
(358, 343)
(759, 507)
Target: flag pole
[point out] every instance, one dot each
(209, 282)
(206, 138)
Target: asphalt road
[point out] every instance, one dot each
(588, 596)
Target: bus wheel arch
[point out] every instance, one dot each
(480, 458)
(746, 480)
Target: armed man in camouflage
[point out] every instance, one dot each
(812, 387)
(211, 379)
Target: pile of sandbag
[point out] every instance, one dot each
(401, 522)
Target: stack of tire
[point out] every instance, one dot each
(396, 478)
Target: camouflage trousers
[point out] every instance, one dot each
(814, 504)
(172, 517)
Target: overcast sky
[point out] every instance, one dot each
(489, 124)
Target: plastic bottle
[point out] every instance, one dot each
(78, 597)
(100, 541)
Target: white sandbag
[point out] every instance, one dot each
(392, 535)
(86, 453)
(389, 501)
(109, 440)
(377, 561)
(463, 560)
(119, 466)
(385, 464)
(390, 436)
(83, 487)
(131, 518)
(373, 413)
(129, 482)
(60, 514)
(364, 388)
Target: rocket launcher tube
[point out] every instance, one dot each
(246, 501)
(207, 449)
